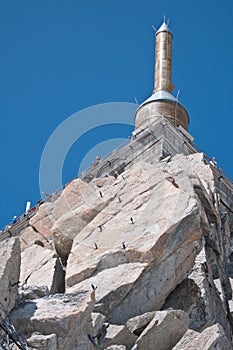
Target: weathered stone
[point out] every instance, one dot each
(146, 295)
(68, 225)
(78, 204)
(187, 297)
(97, 322)
(165, 330)
(68, 316)
(69, 199)
(9, 273)
(167, 242)
(32, 292)
(43, 342)
(64, 216)
(117, 335)
(112, 286)
(137, 324)
(63, 244)
(40, 267)
(43, 220)
(28, 236)
(210, 339)
(196, 169)
(198, 296)
(133, 242)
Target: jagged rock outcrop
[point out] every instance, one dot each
(98, 321)
(210, 339)
(45, 269)
(164, 236)
(175, 323)
(150, 249)
(10, 260)
(9, 274)
(117, 335)
(32, 292)
(66, 316)
(30, 236)
(137, 324)
(40, 341)
(198, 296)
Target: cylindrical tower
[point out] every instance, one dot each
(162, 103)
(163, 60)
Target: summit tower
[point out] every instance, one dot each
(162, 102)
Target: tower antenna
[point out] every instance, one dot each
(154, 28)
(177, 95)
(135, 99)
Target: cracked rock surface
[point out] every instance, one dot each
(128, 262)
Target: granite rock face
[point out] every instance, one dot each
(39, 341)
(66, 316)
(175, 323)
(117, 335)
(198, 296)
(45, 269)
(140, 258)
(210, 339)
(10, 260)
(162, 239)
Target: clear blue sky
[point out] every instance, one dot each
(58, 57)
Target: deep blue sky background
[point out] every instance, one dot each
(58, 57)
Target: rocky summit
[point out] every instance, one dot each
(141, 260)
(134, 254)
